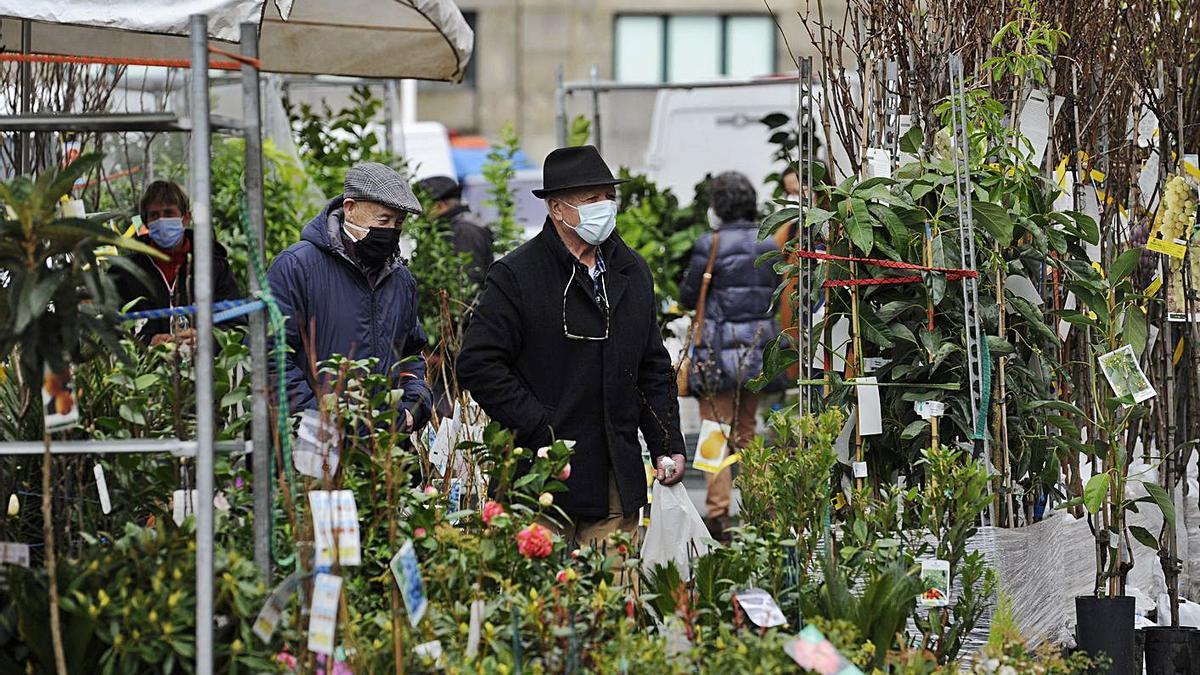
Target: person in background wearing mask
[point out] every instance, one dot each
(345, 290)
(737, 324)
(467, 236)
(565, 345)
(166, 212)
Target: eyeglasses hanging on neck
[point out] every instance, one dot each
(601, 303)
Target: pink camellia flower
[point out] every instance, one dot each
(566, 576)
(544, 453)
(565, 473)
(546, 499)
(287, 660)
(419, 533)
(535, 541)
(492, 510)
(430, 490)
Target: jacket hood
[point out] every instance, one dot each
(321, 232)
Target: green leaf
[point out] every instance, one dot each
(1062, 406)
(875, 331)
(35, 299)
(775, 120)
(998, 346)
(913, 430)
(1143, 536)
(1088, 226)
(920, 190)
(816, 216)
(234, 397)
(895, 227)
(1135, 330)
(1032, 316)
(1123, 265)
(995, 220)
(860, 226)
(773, 221)
(942, 354)
(1094, 492)
(1163, 500)
(912, 140)
(893, 309)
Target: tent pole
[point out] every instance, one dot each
(260, 429)
(560, 106)
(596, 138)
(25, 139)
(203, 244)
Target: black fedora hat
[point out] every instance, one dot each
(572, 168)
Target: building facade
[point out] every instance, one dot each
(519, 44)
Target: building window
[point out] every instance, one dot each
(657, 48)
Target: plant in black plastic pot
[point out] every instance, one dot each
(1118, 328)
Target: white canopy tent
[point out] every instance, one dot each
(418, 39)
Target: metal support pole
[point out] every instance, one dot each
(804, 169)
(970, 289)
(391, 110)
(203, 289)
(25, 140)
(597, 139)
(560, 106)
(260, 425)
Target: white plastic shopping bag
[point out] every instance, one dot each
(676, 533)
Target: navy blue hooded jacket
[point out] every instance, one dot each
(738, 321)
(329, 297)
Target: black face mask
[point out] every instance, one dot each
(380, 243)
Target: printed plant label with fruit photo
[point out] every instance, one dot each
(59, 407)
(935, 579)
(713, 446)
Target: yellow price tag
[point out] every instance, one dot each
(1155, 285)
(1174, 249)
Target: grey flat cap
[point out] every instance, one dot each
(374, 182)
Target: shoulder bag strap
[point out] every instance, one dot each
(698, 322)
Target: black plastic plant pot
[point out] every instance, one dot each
(1169, 651)
(1105, 626)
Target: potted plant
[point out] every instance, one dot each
(1117, 329)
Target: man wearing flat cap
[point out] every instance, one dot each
(466, 235)
(565, 344)
(346, 290)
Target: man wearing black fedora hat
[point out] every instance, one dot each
(565, 344)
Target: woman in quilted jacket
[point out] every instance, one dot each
(738, 322)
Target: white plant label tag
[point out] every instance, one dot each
(346, 518)
(860, 469)
(929, 409)
(322, 620)
(102, 488)
(870, 411)
(475, 630)
(321, 507)
(12, 553)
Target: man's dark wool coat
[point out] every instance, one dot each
(526, 374)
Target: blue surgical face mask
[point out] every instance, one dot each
(166, 232)
(596, 221)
